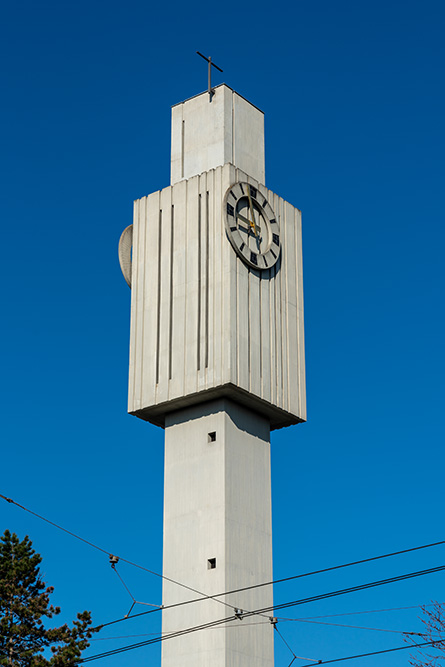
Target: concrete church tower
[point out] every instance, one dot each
(217, 360)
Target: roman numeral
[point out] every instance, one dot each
(230, 209)
(276, 239)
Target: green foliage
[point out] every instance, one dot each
(24, 601)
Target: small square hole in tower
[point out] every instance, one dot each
(211, 563)
(212, 436)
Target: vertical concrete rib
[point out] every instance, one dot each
(203, 240)
(265, 336)
(165, 294)
(218, 276)
(283, 274)
(179, 290)
(210, 371)
(149, 214)
(260, 332)
(198, 332)
(192, 252)
(300, 319)
(133, 315)
(140, 299)
(290, 311)
(170, 318)
(182, 147)
(277, 281)
(158, 305)
(207, 287)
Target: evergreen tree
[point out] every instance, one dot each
(24, 601)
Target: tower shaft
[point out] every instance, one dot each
(217, 534)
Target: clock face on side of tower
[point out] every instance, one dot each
(251, 226)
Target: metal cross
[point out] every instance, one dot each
(209, 60)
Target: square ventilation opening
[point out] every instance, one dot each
(212, 436)
(211, 563)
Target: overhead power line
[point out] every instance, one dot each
(355, 627)
(247, 614)
(315, 598)
(332, 568)
(105, 551)
(204, 626)
(266, 583)
(366, 655)
(156, 634)
(352, 589)
(159, 638)
(355, 613)
(246, 588)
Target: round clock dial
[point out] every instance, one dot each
(251, 226)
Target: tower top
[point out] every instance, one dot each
(209, 75)
(206, 136)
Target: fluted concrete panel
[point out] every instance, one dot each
(205, 325)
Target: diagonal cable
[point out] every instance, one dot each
(298, 576)
(355, 627)
(129, 562)
(356, 613)
(366, 655)
(147, 604)
(316, 598)
(295, 657)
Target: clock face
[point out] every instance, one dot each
(251, 226)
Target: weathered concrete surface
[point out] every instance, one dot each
(206, 135)
(203, 324)
(217, 505)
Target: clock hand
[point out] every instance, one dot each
(247, 221)
(249, 232)
(246, 230)
(252, 212)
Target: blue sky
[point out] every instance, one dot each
(354, 107)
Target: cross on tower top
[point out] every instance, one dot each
(209, 60)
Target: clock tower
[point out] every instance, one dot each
(216, 359)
